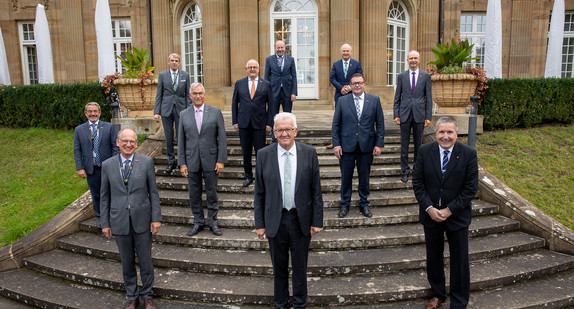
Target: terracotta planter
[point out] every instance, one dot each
(453, 90)
(135, 97)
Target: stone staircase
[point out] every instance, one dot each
(356, 262)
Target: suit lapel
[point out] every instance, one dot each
(454, 158)
(435, 158)
(117, 174)
(136, 166)
(299, 169)
(275, 167)
(351, 105)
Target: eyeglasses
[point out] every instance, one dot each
(196, 93)
(125, 141)
(357, 83)
(252, 68)
(281, 131)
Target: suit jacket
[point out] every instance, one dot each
(456, 190)
(287, 78)
(83, 150)
(139, 200)
(347, 131)
(205, 148)
(420, 101)
(338, 78)
(259, 110)
(268, 201)
(166, 96)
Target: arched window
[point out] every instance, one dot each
(192, 48)
(295, 22)
(397, 41)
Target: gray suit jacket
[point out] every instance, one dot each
(207, 147)
(139, 200)
(420, 101)
(83, 150)
(166, 96)
(268, 201)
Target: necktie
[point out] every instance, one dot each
(252, 93)
(96, 145)
(174, 81)
(358, 107)
(444, 162)
(287, 198)
(345, 68)
(280, 63)
(126, 171)
(413, 83)
(198, 119)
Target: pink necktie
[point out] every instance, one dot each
(413, 83)
(198, 119)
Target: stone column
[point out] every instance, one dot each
(243, 35)
(344, 27)
(162, 35)
(374, 41)
(216, 43)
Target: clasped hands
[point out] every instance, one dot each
(261, 232)
(439, 215)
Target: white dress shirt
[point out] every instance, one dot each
(281, 160)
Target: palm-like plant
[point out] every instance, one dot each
(137, 62)
(452, 55)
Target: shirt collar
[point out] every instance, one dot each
(176, 71)
(124, 159)
(96, 123)
(362, 96)
(442, 150)
(416, 71)
(291, 150)
(202, 108)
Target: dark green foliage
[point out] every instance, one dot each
(523, 103)
(57, 106)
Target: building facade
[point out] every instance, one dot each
(217, 37)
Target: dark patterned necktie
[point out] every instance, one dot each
(444, 162)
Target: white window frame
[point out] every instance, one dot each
(122, 41)
(29, 70)
(568, 46)
(189, 58)
(475, 36)
(396, 56)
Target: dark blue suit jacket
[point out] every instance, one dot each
(338, 75)
(287, 78)
(420, 102)
(347, 131)
(83, 150)
(259, 110)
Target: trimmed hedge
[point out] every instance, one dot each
(56, 106)
(514, 103)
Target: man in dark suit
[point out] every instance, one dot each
(412, 108)
(94, 142)
(131, 212)
(445, 180)
(341, 73)
(288, 207)
(252, 111)
(202, 153)
(281, 73)
(358, 135)
(171, 98)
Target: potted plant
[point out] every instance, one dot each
(453, 84)
(137, 86)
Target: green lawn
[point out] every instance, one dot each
(537, 163)
(39, 179)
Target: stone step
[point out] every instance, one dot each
(327, 185)
(241, 200)
(321, 263)
(329, 239)
(336, 290)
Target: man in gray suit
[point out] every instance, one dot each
(202, 151)
(131, 212)
(94, 142)
(171, 98)
(288, 207)
(412, 108)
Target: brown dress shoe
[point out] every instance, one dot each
(132, 304)
(149, 304)
(434, 303)
(330, 146)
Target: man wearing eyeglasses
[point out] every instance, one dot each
(252, 111)
(202, 153)
(358, 135)
(288, 207)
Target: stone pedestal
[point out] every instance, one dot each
(142, 125)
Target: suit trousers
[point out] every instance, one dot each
(418, 129)
(250, 138)
(289, 238)
(168, 130)
(284, 100)
(347, 165)
(128, 246)
(195, 187)
(459, 264)
(94, 183)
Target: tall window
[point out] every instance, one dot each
(397, 30)
(568, 46)
(472, 27)
(122, 34)
(191, 42)
(28, 52)
(295, 22)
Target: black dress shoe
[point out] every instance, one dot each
(247, 182)
(366, 212)
(170, 168)
(196, 229)
(132, 304)
(405, 177)
(215, 230)
(343, 212)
